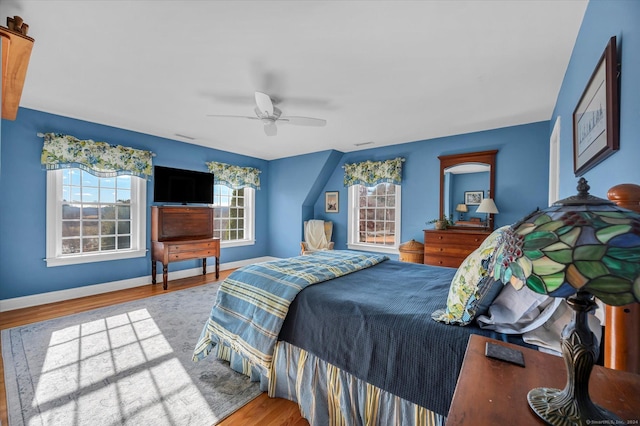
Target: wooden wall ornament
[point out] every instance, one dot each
(16, 52)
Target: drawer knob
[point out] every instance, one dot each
(441, 249)
(440, 237)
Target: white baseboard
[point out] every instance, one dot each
(90, 290)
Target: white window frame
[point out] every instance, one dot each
(554, 163)
(249, 220)
(353, 228)
(54, 254)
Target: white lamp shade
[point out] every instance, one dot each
(462, 208)
(487, 206)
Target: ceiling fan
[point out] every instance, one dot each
(269, 115)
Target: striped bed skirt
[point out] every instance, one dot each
(328, 395)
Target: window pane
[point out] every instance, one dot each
(124, 227)
(108, 212)
(89, 180)
(76, 194)
(108, 182)
(108, 227)
(70, 212)
(107, 195)
(90, 228)
(108, 243)
(71, 228)
(90, 244)
(124, 212)
(90, 212)
(124, 242)
(74, 175)
(123, 195)
(89, 194)
(71, 246)
(123, 182)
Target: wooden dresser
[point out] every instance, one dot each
(451, 246)
(182, 233)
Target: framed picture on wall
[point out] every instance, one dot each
(331, 202)
(473, 198)
(595, 119)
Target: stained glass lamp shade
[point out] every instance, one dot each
(578, 248)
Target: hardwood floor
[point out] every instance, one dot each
(263, 410)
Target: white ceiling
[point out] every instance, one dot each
(386, 72)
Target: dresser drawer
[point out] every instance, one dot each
(186, 247)
(452, 238)
(459, 251)
(194, 254)
(451, 262)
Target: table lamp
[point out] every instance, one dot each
(489, 207)
(462, 208)
(578, 248)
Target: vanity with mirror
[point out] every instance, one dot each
(467, 188)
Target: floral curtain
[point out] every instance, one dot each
(98, 158)
(371, 173)
(235, 177)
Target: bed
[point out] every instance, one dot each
(358, 344)
(360, 347)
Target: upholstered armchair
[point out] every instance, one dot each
(317, 236)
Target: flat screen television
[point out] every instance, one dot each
(182, 186)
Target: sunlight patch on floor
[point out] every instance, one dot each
(114, 370)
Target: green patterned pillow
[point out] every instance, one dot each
(472, 289)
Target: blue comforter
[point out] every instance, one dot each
(376, 325)
(253, 301)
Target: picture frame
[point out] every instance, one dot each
(596, 116)
(473, 198)
(331, 204)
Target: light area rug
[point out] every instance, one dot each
(126, 364)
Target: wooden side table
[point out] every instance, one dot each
(490, 391)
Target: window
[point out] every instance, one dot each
(374, 217)
(92, 219)
(233, 215)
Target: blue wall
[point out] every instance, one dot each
(521, 177)
(23, 202)
(602, 20)
(292, 191)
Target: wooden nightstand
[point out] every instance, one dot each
(492, 392)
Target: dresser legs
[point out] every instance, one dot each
(165, 271)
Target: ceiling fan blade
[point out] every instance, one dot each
(231, 116)
(264, 103)
(270, 129)
(304, 121)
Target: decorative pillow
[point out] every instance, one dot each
(472, 288)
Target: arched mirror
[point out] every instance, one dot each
(465, 181)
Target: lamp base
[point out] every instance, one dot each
(572, 405)
(553, 406)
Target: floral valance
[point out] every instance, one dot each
(371, 173)
(235, 177)
(98, 158)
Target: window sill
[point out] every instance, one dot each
(236, 243)
(91, 258)
(373, 248)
